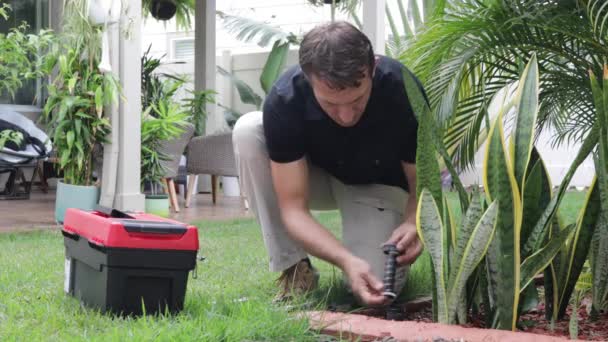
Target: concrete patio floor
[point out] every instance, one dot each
(39, 211)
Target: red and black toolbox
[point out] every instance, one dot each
(126, 263)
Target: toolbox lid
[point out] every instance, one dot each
(112, 228)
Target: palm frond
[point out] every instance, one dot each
(247, 30)
(477, 47)
(597, 10)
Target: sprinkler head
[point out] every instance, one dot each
(389, 271)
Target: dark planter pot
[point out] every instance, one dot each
(163, 9)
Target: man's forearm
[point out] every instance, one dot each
(314, 238)
(410, 208)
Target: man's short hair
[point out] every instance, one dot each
(337, 53)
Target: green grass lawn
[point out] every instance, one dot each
(230, 300)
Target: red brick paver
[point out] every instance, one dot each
(365, 328)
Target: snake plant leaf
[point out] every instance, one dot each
(469, 222)
(600, 257)
(531, 205)
(525, 120)
(536, 198)
(600, 237)
(579, 247)
(537, 234)
(475, 249)
(428, 173)
(430, 134)
(450, 236)
(551, 285)
(538, 261)
(500, 185)
(432, 234)
(450, 228)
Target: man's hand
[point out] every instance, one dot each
(364, 284)
(405, 237)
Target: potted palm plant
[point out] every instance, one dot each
(75, 109)
(162, 121)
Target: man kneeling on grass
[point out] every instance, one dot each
(336, 132)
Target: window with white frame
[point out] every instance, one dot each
(182, 49)
(36, 14)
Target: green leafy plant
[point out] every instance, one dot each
(155, 85)
(75, 109)
(4, 8)
(10, 136)
(197, 106)
(413, 17)
(599, 243)
(23, 56)
(246, 30)
(455, 253)
(465, 56)
(525, 244)
(583, 287)
(167, 122)
(184, 13)
(527, 238)
(163, 118)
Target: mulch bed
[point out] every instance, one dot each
(532, 322)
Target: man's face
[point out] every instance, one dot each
(344, 106)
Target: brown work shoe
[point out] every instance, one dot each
(297, 280)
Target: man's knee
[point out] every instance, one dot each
(248, 133)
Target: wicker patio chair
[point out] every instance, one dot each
(174, 149)
(212, 155)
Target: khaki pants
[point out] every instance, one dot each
(369, 213)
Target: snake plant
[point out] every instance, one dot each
(517, 186)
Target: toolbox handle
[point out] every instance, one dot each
(111, 212)
(153, 227)
(70, 235)
(97, 246)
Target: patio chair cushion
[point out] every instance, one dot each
(212, 154)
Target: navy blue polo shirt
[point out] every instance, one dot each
(369, 152)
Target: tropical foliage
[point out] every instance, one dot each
(156, 85)
(474, 48)
(23, 56)
(599, 242)
(8, 135)
(247, 30)
(75, 108)
(196, 104)
(455, 253)
(162, 121)
(528, 236)
(163, 118)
